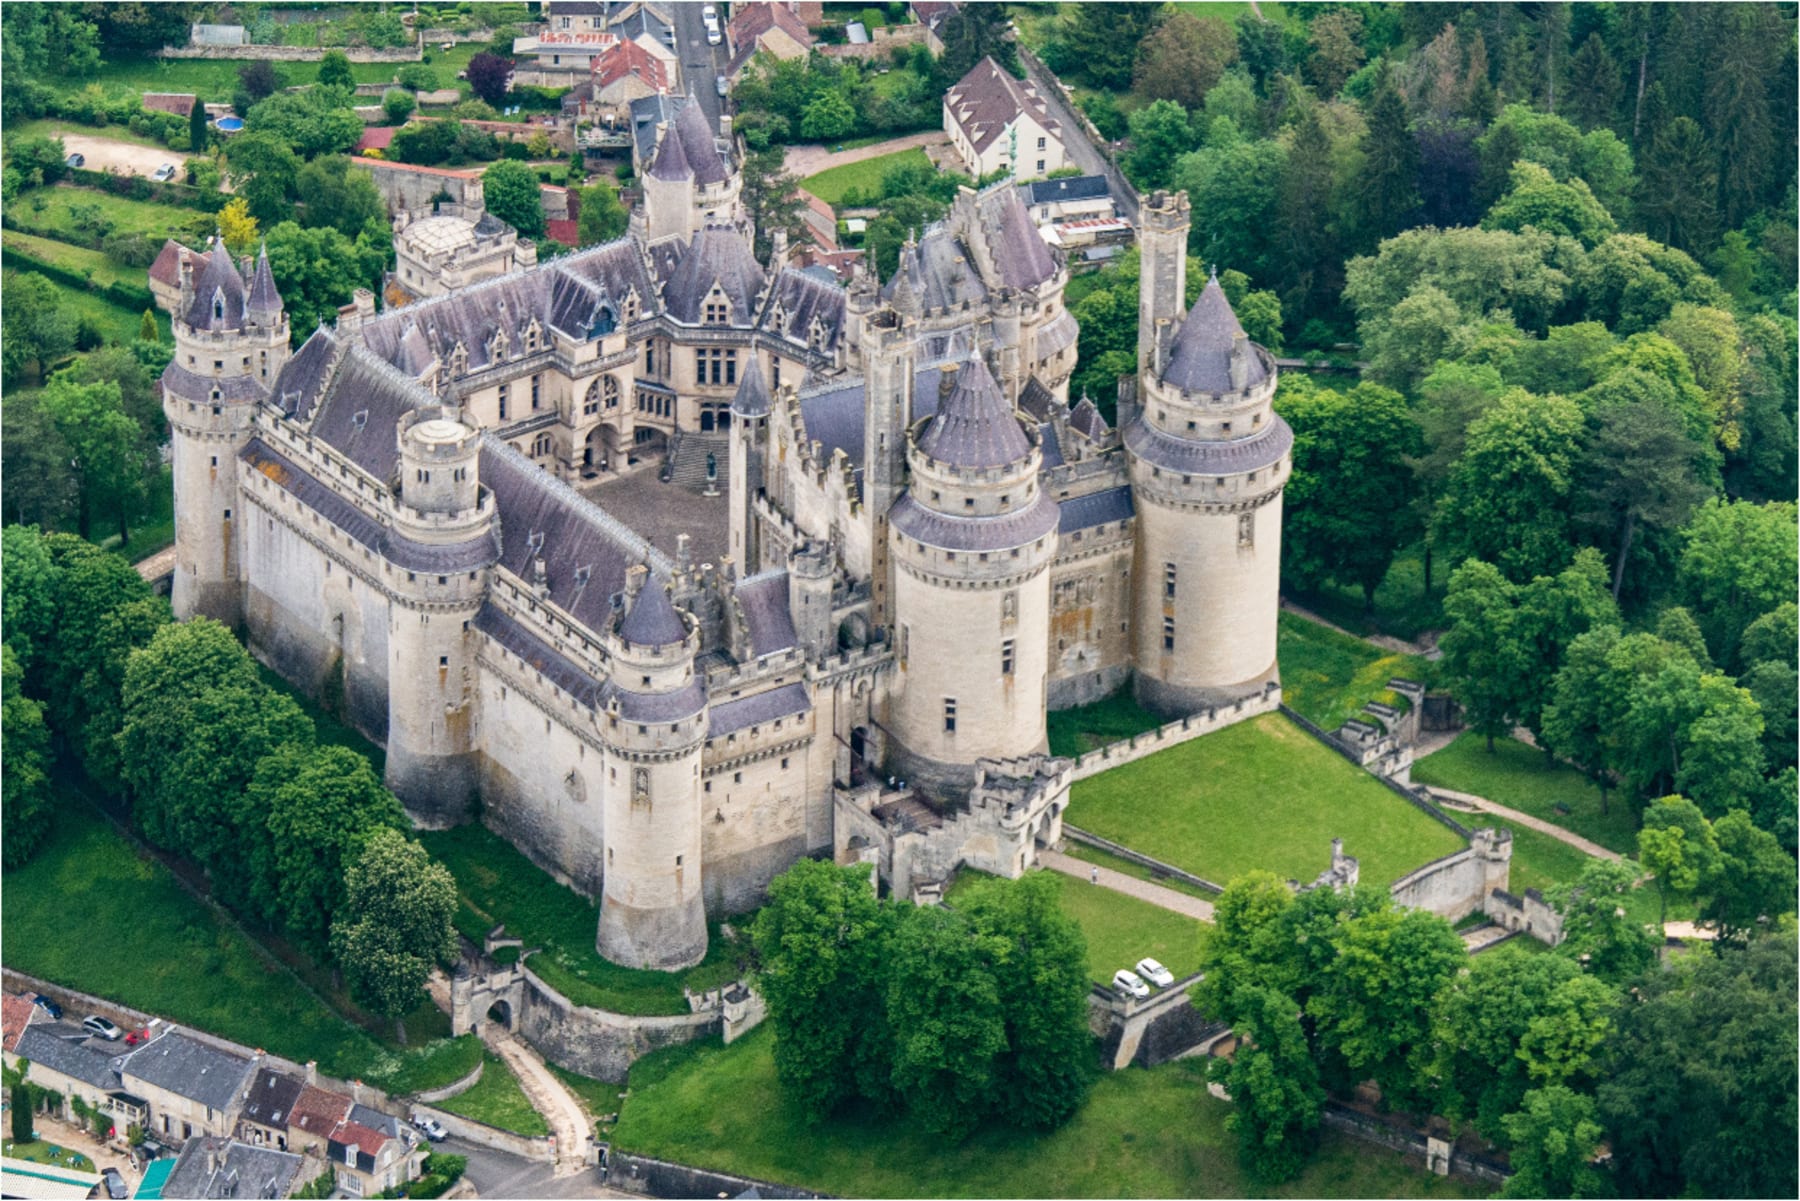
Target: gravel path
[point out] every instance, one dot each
(568, 1121)
(1469, 799)
(130, 158)
(1131, 886)
(802, 161)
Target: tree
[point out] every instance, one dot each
(394, 925)
(1678, 190)
(511, 189)
(1597, 934)
(829, 117)
(1183, 59)
(258, 80)
(1249, 945)
(334, 71)
(1350, 499)
(1274, 1086)
(489, 76)
(602, 218)
(1159, 135)
(25, 785)
(1738, 561)
(1737, 107)
(39, 328)
(90, 583)
(1585, 705)
(111, 459)
(341, 198)
(1482, 1017)
(1594, 85)
(823, 964)
(1337, 50)
(29, 581)
(1537, 199)
(949, 1030)
(1507, 500)
(1305, 238)
(1235, 188)
(770, 194)
(1751, 882)
(1098, 41)
(323, 804)
(1676, 844)
(264, 171)
(316, 270)
(237, 228)
(199, 129)
(1554, 1136)
(1390, 175)
(314, 122)
(1699, 1095)
(1714, 347)
(1637, 473)
(1632, 284)
(22, 1110)
(397, 104)
(1553, 611)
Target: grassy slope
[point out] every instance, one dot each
(89, 913)
(98, 267)
(1120, 930)
(830, 185)
(1113, 719)
(1154, 1133)
(500, 885)
(1401, 606)
(216, 79)
(1260, 794)
(600, 1099)
(497, 1100)
(1521, 778)
(156, 221)
(1327, 676)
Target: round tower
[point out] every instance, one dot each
(971, 543)
(1208, 459)
(439, 561)
(652, 721)
(749, 440)
(810, 579)
(231, 341)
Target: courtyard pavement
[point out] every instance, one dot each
(1131, 886)
(657, 512)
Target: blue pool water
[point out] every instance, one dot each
(230, 124)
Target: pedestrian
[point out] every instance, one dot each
(1094, 874)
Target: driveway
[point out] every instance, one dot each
(802, 161)
(104, 154)
(497, 1174)
(701, 64)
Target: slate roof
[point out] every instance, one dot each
(264, 302)
(1050, 446)
(752, 396)
(1085, 419)
(555, 667)
(975, 426)
(63, 1047)
(218, 280)
(362, 406)
(652, 619)
(764, 599)
(1059, 333)
(222, 1167)
(318, 1112)
(696, 146)
(836, 416)
(1061, 191)
(940, 272)
(671, 159)
(1201, 358)
(751, 21)
(988, 99)
(728, 717)
(1096, 508)
(647, 112)
(715, 256)
(932, 13)
(167, 267)
(1037, 400)
(798, 301)
(678, 705)
(302, 380)
(189, 1068)
(183, 381)
(993, 532)
(1019, 252)
(1263, 449)
(269, 1101)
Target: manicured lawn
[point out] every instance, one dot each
(1521, 778)
(1142, 1133)
(1260, 794)
(156, 221)
(1088, 854)
(116, 324)
(1327, 677)
(831, 185)
(1120, 930)
(498, 885)
(42, 1150)
(497, 1100)
(1076, 731)
(90, 913)
(94, 263)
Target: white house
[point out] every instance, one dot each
(1000, 123)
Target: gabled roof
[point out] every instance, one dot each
(1201, 358)
(269, 1101)
(751, 21)
(629, 58)
(17, 1011)
(1017, 249)
(189, 1068)
(932, 13)
(225, 1168)
(318, 1112)
(799, 303)
(1085, 419)
(376, 137)
(64, 1047)
(179, 103)
(167, 267)
(764, 599)
(715, 256)
(987, 100)
(975, 426)
(652, 619)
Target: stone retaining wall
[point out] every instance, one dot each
(660, 1178)
(595, 1042)
(1139, 858)
(454, 1087)
(1185, 729)
(1364, 1128)
(542, 1148)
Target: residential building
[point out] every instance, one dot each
(191, 1088)
(212, 1167)
(268, 1108)
(998, 123)
(766, 27)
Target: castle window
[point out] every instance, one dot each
(1224, 427)
(718, 312)
(650, 358)
(1005, 501)
(678, 861)
(215, 460)
(1246, 531)
(905, 643)
(443, 660)
(1168, 633)
(536, 390)
(1007, 657)
(218, 365)
(968, 502)
(949, 715)
(443, 579)
(775, 371)
(218, 307)
(784, 764)
(1169, 581)
(505, 395)
(737, 777)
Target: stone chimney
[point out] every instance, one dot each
(1242, 355)
(947, 381)
(635, 577)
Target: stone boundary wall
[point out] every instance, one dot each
(660, 1178)
(880, 42)
(597, 1042)
(541, 1148)
(1139, 858)
(1129, 750)
(1412, 798)
(454, 1087)
(296, 54)
(1366, 1129)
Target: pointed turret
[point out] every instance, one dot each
(264, 304)
(1211, 352)
(652, 619)
(218, 299)
(752, 396)
(671, 157)
(974, 426)
(905, 288)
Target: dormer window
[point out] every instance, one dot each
(631, 306)
(604, 322)
(718, 312)
(218, 306)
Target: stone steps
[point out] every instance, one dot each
(688, 469)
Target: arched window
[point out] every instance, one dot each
(609, 388)
(604, 322)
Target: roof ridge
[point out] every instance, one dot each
(481, 287)
(548, 484)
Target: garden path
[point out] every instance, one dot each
(801, 161)
(157, 565)
(1525, 819)
(568, 1121)
(1426, 646)
(1131, 886)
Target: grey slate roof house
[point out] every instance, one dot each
(225, 1168)
(192, 1087)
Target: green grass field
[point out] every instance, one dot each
(1088, 854)
(500, 885)
(1079, 730)
(1142, 1133)
(831, 185)
(1521, 778)
(89, 912)
(1327, 677)
(92, 263)
(1260, 794)
(497, 1100)
(600, 1099)
(156, 221)
(56, 127)
(1120, 930)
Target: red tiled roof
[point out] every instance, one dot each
(629, 58)
(456, 172)
(369, 1142)
(566, 232)
(318, 1112)
(376, 137)
(167, 267)
(16, 1013)
(179, 103)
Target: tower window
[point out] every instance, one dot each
(949, 715)
(1168, 633)
(905, 642)
(505, 395)
(536, 389)
(1246, 531)
(1169, 581)
(1007, 657)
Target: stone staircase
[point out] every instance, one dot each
(687, 463)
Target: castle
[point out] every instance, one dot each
(928, 546)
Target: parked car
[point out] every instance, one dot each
(431, 1128)
(1127, 982)
(95, 1024)
(48, 1005)
(713, 36)
(164, 173)
(1155, 972)
(721, 85)
(115, 1184)
(76, 160)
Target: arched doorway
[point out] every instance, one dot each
(501, 1012)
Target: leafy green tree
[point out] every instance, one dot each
(29, 581)
(1553, 611)
(1772, 681)
(323, 804)
(317, 270)
(1350, 500)
(1737, 105)
(334, 71)
(1738, 562)
(39, 329)
(341, 198)
(1596, 931)
(397, 104)
(829, 117)
(120, 631)
(1507, 500)
(1597, 157)
(943, 1005)
(1274, 1085)
(823, 963)
(90, 584)
(1676, 844)
(511, 189)
(1159, 135)
(1637, 474)
(1677, 626)
(1305, 238)
(25, 785)
(1234, 186)
(1183, 59)
(1554, 1135)
(1484, 656)
(1632, 284)
(39, 160)
(264, 172)
(1537, 199)
(1249, 945)
(1586, 700)
(1751, 882)
(1710, 339)
(1699, 1096)
(602, 218)
(394, 925)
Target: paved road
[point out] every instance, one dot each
(568, 1121)
(1131, 886)
(802, 161)
(1077, 146)
(700, 64)
(497, 1174)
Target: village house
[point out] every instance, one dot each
(998, 123)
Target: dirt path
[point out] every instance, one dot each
(802, 161)
(1131, 886)
(568, 1121)
(1470, 800)
(1426, 645)
(128, 157)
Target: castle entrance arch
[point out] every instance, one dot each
(502, 1012)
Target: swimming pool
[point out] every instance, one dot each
(230, 124)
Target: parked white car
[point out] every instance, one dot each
(1130, 984)
(164, 173)
(95, 1024)
(430, 1128)
(1155, 972)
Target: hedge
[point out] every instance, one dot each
(136, 187)
(120, 293)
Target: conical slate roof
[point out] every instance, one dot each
(264, 305)
(220, 281)
(698, 144)
(752, 397)
(974, 425)
(671, 159)
(1201, 359)
(652, 619)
